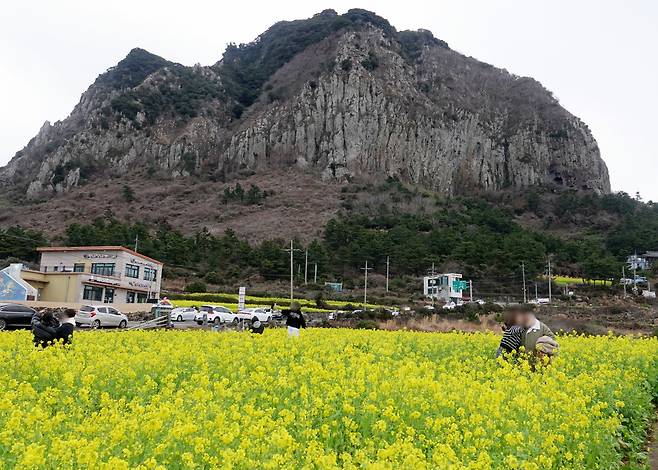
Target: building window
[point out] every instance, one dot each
(93, 293)
(79, 268)
(141, 298)
(109, 295)
(130, 297)
(132, 270)
(55, 268)
(150, 274)
(104, 269)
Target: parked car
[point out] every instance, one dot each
(184, 314)
(256, 313)
(216, 314)
(15, 316)
(449, 306)
(97, 316)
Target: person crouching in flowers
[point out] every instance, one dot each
(294, 318)
(44, 328)
(512, 334)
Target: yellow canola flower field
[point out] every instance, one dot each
(330, 399)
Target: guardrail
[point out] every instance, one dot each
(160, 322)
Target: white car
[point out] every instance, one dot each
(184, 314)
(449, 306)
(257, 313)
(216, 314)
(96, 316)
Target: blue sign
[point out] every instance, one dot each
(10, 289)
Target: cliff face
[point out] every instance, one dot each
(339, 95)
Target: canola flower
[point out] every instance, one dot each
(330, 399)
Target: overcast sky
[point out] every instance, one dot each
(597, 56)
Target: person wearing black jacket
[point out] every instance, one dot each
(44, 328)
(257, 327)
(294, 318)
(65, 330)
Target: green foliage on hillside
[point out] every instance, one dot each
(19, 244)
(254, 195)
(246, 68)
(132, 70)
(182, 95)
(413, 42)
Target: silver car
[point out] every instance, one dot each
(96, 316)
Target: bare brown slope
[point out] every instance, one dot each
(300, 206)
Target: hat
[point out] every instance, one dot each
(547, 345)
(294, 306)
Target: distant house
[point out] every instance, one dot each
(651, 257)
(448, 286)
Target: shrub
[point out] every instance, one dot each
(213, 277)
(366, 325)
(196, 286)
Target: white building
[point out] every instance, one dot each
(447, 286)
(96, 275)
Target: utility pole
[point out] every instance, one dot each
(388, 262)
(136, 241)
(635, 290)
(536, 295)
(306, 268)
(365, 285)
(470, 290)
(525, 296)
(435, 286)
(550, 280)
(292, 250)
(315, 274)
(623, 278)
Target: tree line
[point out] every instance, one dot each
(469, 235)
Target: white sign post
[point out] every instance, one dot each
(241, 296)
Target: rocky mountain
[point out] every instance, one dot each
(336, 96)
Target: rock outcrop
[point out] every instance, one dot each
(339, 95)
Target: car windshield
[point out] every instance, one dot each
(206, 309)
(87, 308)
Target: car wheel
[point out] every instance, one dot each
(123, 324)
(254, 320)
(180, 318)
(3, 324)
(236, 321)
(217, 320)
(269, 319)
(96, 324)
